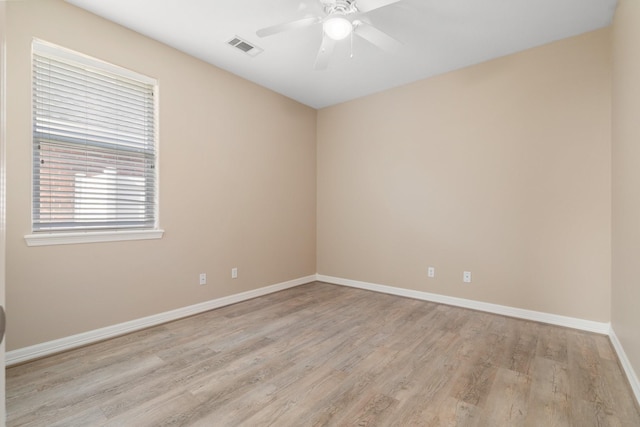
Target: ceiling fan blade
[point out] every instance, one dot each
(324, 54)
(286, 26)
(369, 5)
(376, 37)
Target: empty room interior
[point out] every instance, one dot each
(458, 247)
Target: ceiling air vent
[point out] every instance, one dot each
(245, 46)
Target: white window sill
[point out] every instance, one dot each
(46, 239)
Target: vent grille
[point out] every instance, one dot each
(244, 46)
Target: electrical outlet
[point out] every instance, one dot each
(431, 272)
(203, 278)
(234, 273)
(466, 277)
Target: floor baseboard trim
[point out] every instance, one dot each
(50, 347)
(553, 319)
(626, 364)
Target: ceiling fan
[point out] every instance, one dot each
(341, 19)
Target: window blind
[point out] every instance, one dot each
(94, 147)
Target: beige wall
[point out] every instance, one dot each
(2, 197)
(502, 169)
(625, 315)
(237, 174)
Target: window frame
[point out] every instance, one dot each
(92, 235)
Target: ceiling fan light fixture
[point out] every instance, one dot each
(337, 27)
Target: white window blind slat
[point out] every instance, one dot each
(56, 120)
(70, 74)
(128, 111)
(94, 145)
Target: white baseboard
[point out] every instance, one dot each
(626, 364)
(50, 347)
(553, 319)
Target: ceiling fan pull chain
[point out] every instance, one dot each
(351, 56)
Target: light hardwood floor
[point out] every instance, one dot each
(322, 354)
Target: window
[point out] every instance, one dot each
(94, 150)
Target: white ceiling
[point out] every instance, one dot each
(437, 36)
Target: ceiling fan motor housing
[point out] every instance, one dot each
(339, 7)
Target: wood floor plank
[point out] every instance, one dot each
(371, 410)
(624, 408)
(450, 412)
(507, 403)
(477, 376)
(550, 395)
(321, 354)
(90, 417)
(592, 400)
(172, 408)
(291, 406)
(552, 344)
(521, 347)
(79, 394)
